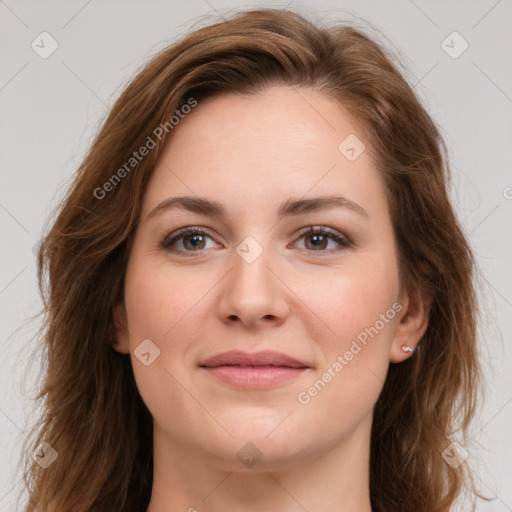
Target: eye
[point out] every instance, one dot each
(194, 239)
(191, 239)
(319, 238)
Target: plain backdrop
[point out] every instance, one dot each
(51, 107)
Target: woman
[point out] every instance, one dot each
(257, 294)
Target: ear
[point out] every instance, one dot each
(412, 323)
(121, 339)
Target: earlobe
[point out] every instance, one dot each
(120, 341)
(411, 326)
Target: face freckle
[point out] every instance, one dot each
(257, 282)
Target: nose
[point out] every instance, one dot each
(253, 293)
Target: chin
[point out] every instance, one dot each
(258, 454)
(258, 422)
(276, 443)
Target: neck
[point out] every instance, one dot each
(188, 479)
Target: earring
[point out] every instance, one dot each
(405, 348)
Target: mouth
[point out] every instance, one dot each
(259, 370)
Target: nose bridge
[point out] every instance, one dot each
(251, 261)
(252, 291)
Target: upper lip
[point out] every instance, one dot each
(262, 358)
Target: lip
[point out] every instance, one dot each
(257, 370)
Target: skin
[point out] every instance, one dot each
(251, 153)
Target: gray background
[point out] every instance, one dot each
(50, 109)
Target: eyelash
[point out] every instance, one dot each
(169, 240)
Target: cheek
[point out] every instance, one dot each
(158, 309)
(360, 307)
(157, 300)
(154, 309)
(348, 302)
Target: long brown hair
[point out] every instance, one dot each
(93, 415)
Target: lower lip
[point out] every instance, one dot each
(254, 377)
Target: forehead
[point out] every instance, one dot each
(302, 119)
(262, 148)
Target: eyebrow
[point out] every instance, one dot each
(288, 208)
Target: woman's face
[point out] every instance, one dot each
(251, 276)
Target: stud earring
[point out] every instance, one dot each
(405, 348)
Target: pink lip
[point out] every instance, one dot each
(259, 370)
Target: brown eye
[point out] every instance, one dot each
(191, 240)
(318, 238)
(317, 241)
